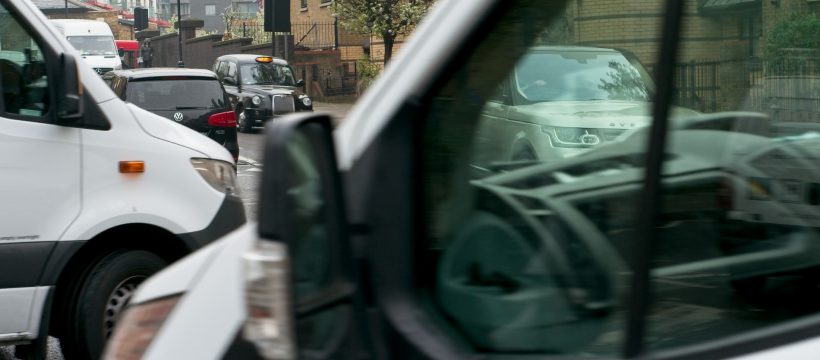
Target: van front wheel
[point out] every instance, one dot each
(101, 297)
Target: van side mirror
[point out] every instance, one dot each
(300, 83)
(69, 90)
(296, 268)
(228, 81)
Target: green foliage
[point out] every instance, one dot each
(799, 31)
(385, 18)
(367, 71)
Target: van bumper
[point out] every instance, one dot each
(229, 217)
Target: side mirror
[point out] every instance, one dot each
(69, 90)
(228, 81)
(300, 83)
(301, 228)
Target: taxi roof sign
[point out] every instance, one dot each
(264, 59)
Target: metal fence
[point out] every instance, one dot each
(697, 85)
(305, 35)
(787, 89)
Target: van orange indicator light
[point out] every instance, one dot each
(264, 59)
(130, 167)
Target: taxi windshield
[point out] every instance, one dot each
(266, 74)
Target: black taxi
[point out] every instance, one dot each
(260, 88)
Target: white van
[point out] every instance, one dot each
(94, 40)
(97, 194)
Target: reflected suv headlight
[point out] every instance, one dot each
(579, 137)
(138, 327)
(256, 100)
(306, 100)
(219, 174)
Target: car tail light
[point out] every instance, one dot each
(267, 298)
(223, 119)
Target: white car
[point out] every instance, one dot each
(381, 240)
(94, 40)
(97, 194)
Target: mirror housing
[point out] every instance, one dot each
(300, 83)
(69, 90)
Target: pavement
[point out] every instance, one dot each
(337, 110)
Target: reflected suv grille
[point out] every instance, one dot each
(283, 104)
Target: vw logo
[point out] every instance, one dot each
(99, 71)
(178, 116)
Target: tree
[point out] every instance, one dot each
(386, 18)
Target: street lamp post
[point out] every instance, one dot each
(179, 33)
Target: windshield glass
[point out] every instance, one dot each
(93, 45)
(581, 76)
(267, 74)
(176, 94)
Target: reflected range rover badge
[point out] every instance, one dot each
(178, 116)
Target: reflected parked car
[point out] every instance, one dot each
(562, 100)
(261, 88)
(191, 97)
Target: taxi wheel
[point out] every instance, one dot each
(100, 299)
(242, 124)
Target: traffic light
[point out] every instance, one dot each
(140, 18)
(277, 15)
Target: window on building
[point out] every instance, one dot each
(325, 2)
(245, 10)
(751, 29)
(304, 4)
(210, 10)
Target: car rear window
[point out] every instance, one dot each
(175, 93)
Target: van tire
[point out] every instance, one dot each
(100, 297)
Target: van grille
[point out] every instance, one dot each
(101, 71)
(283, 104)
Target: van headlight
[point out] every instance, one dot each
(256, 100)
(219, 174)
(138, 327)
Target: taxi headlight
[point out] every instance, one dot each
(306, 101)
(256, 100)
(219, 174)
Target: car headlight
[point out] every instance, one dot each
(572, 137)
(306, 100)
(138, 327)
(219, 174)
(256, 100)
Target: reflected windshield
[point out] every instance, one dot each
(176, 94)
(267, 74)
(93, 45)
(581, 76)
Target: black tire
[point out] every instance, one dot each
(100, 297)
(243, 124)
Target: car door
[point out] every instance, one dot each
(40, 165)
(694, 237)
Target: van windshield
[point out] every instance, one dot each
(93, 45)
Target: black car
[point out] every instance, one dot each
(191, 97)
(260, 88)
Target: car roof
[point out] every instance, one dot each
(163, 72)
(552, 48)
(250, 58)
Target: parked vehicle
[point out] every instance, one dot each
(191, 97)
(261, 88)
(662, 243)
(129, 53)
(97, 194)
(562, 100)
(94, 40)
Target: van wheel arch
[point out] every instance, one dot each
(125, 237)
